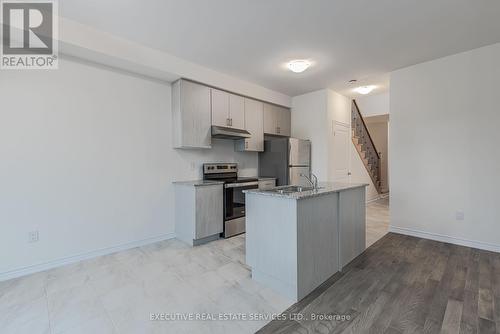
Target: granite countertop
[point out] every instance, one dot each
(324, 189)
(198, 183)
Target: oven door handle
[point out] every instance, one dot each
(243, 184)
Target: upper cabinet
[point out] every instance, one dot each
(191, 115)
(228, 110)
(220, 107)
(284, 122)
(254, 123)
(196, 108)
(277, 120)
(237, 111)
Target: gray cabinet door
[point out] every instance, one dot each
(220, 107)
(209, 211)
(191, 115)
(237, 111)
(254, 119)
(277, 120)
(284, 122)
(270, 119)
(352, 224)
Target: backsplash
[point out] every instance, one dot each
(222, 151)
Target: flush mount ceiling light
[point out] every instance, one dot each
(298, 65)
(365, 89)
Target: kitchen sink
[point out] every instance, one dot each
(291, 189)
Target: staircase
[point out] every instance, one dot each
(365, 146)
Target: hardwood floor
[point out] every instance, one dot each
(404, 284)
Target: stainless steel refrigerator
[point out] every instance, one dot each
(286, 159)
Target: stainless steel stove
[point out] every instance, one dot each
(234, 198)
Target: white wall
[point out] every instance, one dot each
(86, 160)
(308, 122)
(444, 148)
(372, 105)
(86, 42)
(313, 117)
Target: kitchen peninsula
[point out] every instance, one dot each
(299, 237)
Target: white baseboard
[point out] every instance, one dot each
(446, 238)
(22, 271)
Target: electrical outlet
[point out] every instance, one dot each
(33, 236)
(459, 215)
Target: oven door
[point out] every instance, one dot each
(234, 199)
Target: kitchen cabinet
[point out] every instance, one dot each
(228, 110)
(237, 111)
(352, 224)
(318, 236)
(191, 115)
(198, 211)
(284, 122)
(277, 120)
(254, 123)
(266, 184)
(220, 107)
(270, 121)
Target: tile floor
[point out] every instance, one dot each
(117, 293)
(377, 220)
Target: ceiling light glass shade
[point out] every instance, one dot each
(364, 89)
(298, 66)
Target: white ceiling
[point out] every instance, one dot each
(252, 39)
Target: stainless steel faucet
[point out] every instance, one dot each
(313, 184)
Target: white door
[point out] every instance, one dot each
(341, 152)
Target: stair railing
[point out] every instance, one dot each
(361, 132)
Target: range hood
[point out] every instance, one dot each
(229, 133)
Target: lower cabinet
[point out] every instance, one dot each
(198, 212)
(352, 224)
(266, 184)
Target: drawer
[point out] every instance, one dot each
(267, 184)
